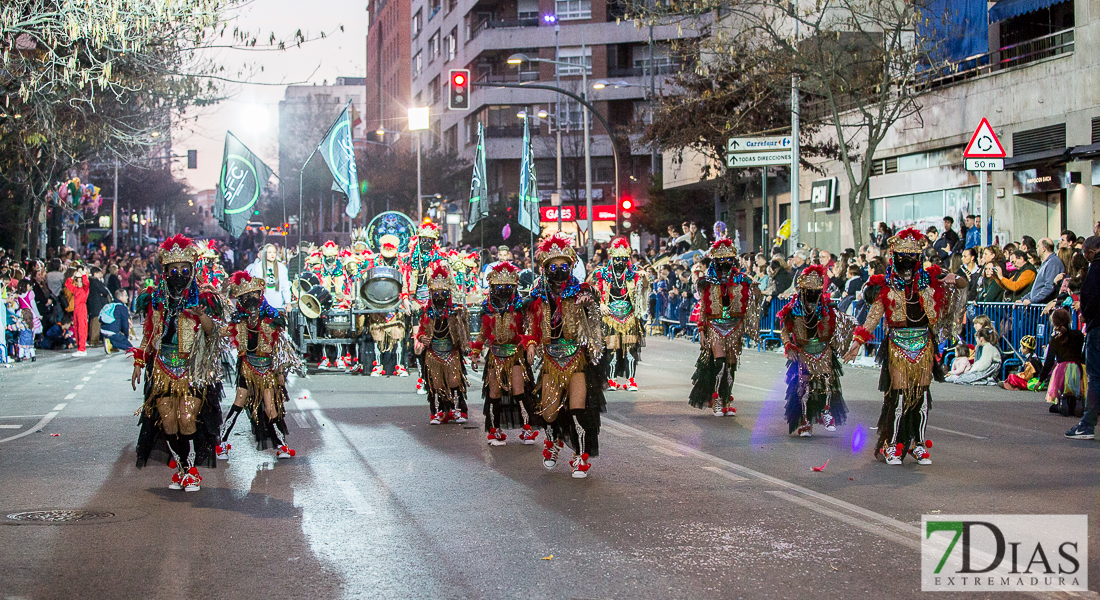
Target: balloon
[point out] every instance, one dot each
(506, 232)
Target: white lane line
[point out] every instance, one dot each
(905, 540)
(10, 426)
(666, 451)
(724, 473)
(71, 396)
(79, 387)
(299, 419)
(358, 504)
(859, 510)
(751, 387)
(21, 416)
(92, 372)
(86, 379)
(946, 430)
(38, 426)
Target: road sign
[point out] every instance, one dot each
(984, 164)
(758, 144)
(758, 159)
(984, 143)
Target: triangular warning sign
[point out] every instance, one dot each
(984, 143)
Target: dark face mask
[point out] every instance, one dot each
(905, 265)
(502, 294)
(178, 277)
(250, 301)
(618, 264)
(724, 268)
(810, 298)
(426, 244)
(559, 273)
(439, 299)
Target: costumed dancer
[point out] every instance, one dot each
(920, 306)
(563, 323)
(623, 293)
(208, 266)
(388, 330)
(419, 262)
(180, 353)
(506, 370)
(814, 335)
(330, 269)
(729, 310)
(444, 336)
(265, 357)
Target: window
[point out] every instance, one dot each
(450, 139)
(433, 47)
(433, 8)
(433, 90)
(662, 62)
(451, 5)
(572, 114)
(527, 9)
(573, 9)
(418, 64)
(910, 208)
(450, 44)
(417, 22)
(573, 57)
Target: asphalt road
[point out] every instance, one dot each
(378, 504)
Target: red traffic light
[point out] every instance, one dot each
(626, 203)
(459, 79)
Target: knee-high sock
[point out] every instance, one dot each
(613, 364)
(230, 422)
(521, 399)
(492, 420)
(631, 364)
(173, 441)
(575, 415)
(278, 427)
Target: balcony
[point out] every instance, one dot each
(521, 77)
(504, 24)
(509, 131)
(1017, 55)
(639, 71)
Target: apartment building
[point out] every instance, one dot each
(1034, 76)
(480, 35)
(388, 76)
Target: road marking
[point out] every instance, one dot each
(751, 387)
(905, 540)
(666, 451)
(38, 427)
(946, 430)
(71, 396)
(732, 466)
(724, 473)
(22, 416)
(79, 387)
(86, 379)
(10, 426)
(358, 504)
(299, 419)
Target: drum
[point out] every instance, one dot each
(316, 302)
(306, 282)
(381, 288)
(338, 324)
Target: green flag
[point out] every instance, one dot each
(243, 177)
(479, 188)
(339, 154)
(529, 217)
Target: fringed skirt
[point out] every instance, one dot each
(515, 407)
(1068, 379)
(711, 377)
(204, 401)
(908, 368)
(809, 395)
(443, 363)
(579, 429)
(257, 374)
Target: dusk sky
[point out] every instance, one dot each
(252, 111)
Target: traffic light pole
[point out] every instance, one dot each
(592, 109)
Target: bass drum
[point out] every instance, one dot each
(316, 302)
(305, 282)
(381, 289)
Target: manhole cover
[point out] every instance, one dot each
(59, 516)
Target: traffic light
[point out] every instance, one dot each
(626, 204)
(459, 98)
(192, 159)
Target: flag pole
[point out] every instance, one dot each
(301, 172)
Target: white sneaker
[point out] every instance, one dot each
(828, 421)
(460, 417)
(805, 431)
(550, 454)
(580, 466)
(285, 452)
(79, 354)
(191, 481)
(401, 372)
(437, 418)
(221, 451)
(176, 478)
(922, 455)
(892, 457)
(497, 437)
(631, 386)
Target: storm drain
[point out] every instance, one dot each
(59, 516)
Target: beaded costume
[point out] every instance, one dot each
(623, 294)
(444, 335)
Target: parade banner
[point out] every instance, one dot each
(339, 155)
(528, 186)
(243, 177)
(479, 187)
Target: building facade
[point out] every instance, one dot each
(388, 76)
(1035, 80)
(481, 35)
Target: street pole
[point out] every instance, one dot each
(764, 195)
(301, 222)
(588, 156)
(795, 227)
(557, 110)
(114, 211)
(988, 234)
(419, 201)
(560, 196)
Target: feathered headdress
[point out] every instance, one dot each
(557, 245)
(812, 278)
(908, 241)
(359, 239)
(178, 248)
(441, 278)
(241, 283)
(723, 249)
(503, 273)
(619, 248)
(330, 249)
(429, 230)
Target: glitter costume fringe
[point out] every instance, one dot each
(808, 395)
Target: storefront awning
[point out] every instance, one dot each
(1006, 9)
(1090, 152)
(1046, 158)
